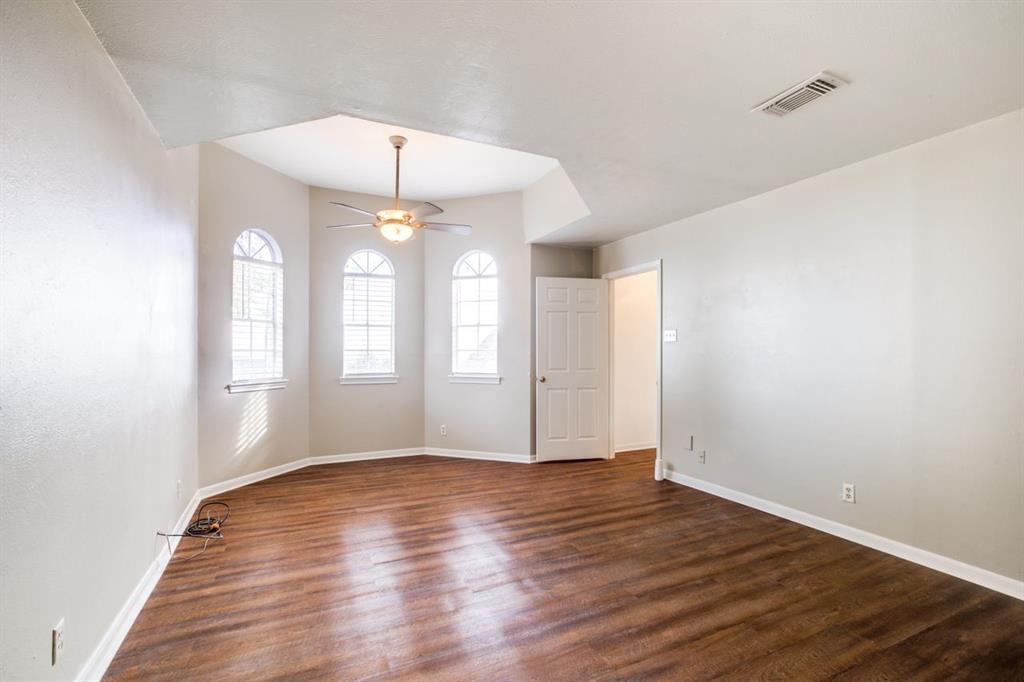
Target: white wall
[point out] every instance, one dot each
(245, 432)
(550, 203)
(860, 326)
(361, 418)
(98, 367)
(635, 365)
(483, 418)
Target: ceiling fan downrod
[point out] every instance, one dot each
(397, 142)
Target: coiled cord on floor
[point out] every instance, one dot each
(209, 527)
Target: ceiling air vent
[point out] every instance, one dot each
(797, 96)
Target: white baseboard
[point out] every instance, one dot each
(238, 482)
(103, 654)
(635, 446)
(361, 456)
(472, 454)
(938, 562)
(246, 479)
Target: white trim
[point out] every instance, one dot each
(263, 474)
(256, 476)
(256, 385)
(474, 379)
(368, 379)
(96, 665)
(246, 479)
(649, 266)
(938, 562)
(635, 446)
(473, 454)
(361, 456)
(633, 270)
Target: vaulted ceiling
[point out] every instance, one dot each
(645, 104)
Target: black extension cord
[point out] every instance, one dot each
(209, 527)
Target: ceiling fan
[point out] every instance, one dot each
(397, 224)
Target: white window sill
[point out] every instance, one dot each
(256, 385)
(474, 379)
(369, 379)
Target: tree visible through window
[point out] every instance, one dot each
(475, 315)
(257, 309)
(368, 315)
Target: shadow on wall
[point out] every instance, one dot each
(253, 423)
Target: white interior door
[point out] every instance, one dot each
(573, 420)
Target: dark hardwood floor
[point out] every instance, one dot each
(435, 568)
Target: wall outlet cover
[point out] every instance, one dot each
(850, 493)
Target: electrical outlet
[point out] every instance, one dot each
(179, 489)
(702, 457)
(444, 429)
(850, 493)
(57, 642)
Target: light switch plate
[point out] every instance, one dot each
(669, 336)
(57, 642)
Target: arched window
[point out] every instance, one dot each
(475, 315)
(368, 316)
(257, 310)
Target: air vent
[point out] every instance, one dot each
(797, 96)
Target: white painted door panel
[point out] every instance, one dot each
(572, 368)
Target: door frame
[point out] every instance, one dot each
(649, 266)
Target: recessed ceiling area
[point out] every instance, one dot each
(341, 152)
(646, 105)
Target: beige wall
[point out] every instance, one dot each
(484, 418)
(98, 368)
(361, 418)
(860, 326)
(245, 432)
(635, 361)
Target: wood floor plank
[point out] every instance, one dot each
(435, 568)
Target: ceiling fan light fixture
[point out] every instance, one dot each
(395, 232)
(397, 224)
(393, 215)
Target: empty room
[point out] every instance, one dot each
(511, 340)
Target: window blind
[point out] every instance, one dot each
(475, 315)
(257, 310)
(368, 309)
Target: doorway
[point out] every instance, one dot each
(635, 345)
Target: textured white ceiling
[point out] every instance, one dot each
(645, 104)
(347, 153)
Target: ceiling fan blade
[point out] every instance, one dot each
(338, 227)
(453, 228)
(353, 208)
(425, 209)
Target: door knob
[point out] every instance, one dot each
(542, 379)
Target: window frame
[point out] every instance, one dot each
(455, 376)
(371, 377)
(268, 383)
